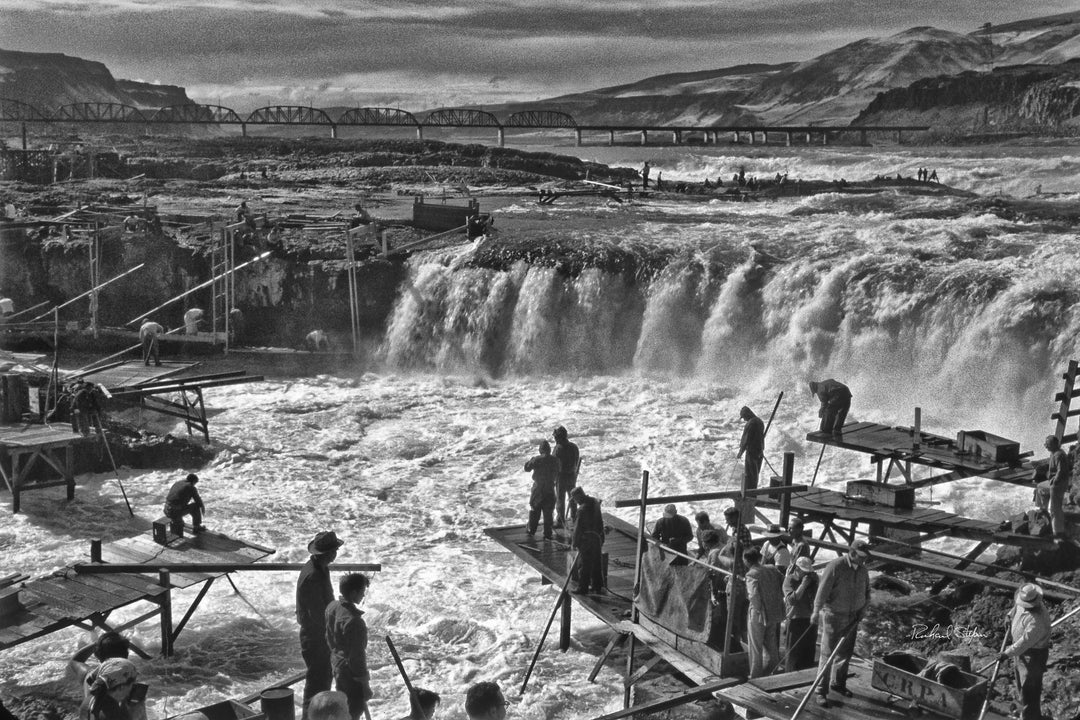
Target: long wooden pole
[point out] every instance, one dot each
(198, 287)
(153, 567)
(773, 413)
(1053, 625)
(30, 309)
(91, 290)
(821, 671)
(551, 618)
(993, 676)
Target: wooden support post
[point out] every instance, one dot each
(502, 137)
(943, 582)
(616, 640)
(69, 470)
(166, 613)
(628, 688)
(191, 610)
(16, 482)
(640, 541)
(735, 139)
(95, 551)
(788, 472)
(564, 622)
(752, 137)
(644, 137)
(917, 431)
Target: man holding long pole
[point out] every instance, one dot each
(1030, 631)
(842, 598)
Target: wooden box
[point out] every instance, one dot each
(442, 217)
(964, 701)
(894, 496)
(989, 447)
(9, 602)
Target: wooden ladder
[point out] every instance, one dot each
(1065, 399)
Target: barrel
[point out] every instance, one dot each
(277, 703)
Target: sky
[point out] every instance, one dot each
(421, 54)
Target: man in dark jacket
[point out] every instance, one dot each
(545, 472)
(674, 531)
(588, 540)
(835, 400)
(347, 638)
(800, 589)
(752, 445)
(314, 593)
(183, 499)
(567, 454)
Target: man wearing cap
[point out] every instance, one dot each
(183, 499)
(774, 551)
(835, 399)
(1052, 491)
(674, 531)
(799, 546)
(567, 454)
(588, 540)
(314, 592)
(545, 472)
(841, 600)
(800, 587)
(752, 445)
(1030, 631)
(765, 596)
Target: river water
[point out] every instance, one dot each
(912, 300)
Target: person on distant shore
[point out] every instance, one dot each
(752, 445)
(423, 704)
(314, 592)
(317, 340)
(566, 452)
(765, 597)
(1051, 492)
(183, 499)
(674, 531)
(588, 540)
(150, 336)
(329, 705)
(800, 588)
(545, 473)
(933, 176)
(645, 175)
(485, 701)
(1030, 630)
(842, 598)
(347, 637)
(835, 399)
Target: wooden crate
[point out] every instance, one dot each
(443, 217)
(894, 496)
(950, 701)
(9, 602)
(990, 447)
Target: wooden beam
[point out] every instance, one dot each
(616, 640)
(643, 670)
(657, 706)
(964, 562)
(153, 567)
(191, 610)
(724, 495)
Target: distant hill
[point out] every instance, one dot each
(50, 80)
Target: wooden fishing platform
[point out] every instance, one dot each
(21, 445)
(79, 598)
(777, 696)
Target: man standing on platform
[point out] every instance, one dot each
(765, 595)
(588, 541)
(347, 638)
(1053, 490)
(800, 588)
(835, 399)
(545, 472)
(567, 454)
(150, 336)
(1030, 631)
(314, 592)
(674, 531)
(752, 445)
(842, 597)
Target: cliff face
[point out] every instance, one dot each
(50, 80)
(1027, 97)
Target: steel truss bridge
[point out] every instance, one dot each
(14, 111)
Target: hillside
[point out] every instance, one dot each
(49, 80)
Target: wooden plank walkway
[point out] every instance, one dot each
(68, 598)
(823, 505)
(21, 445)
(778, 696)
(885, 443)
(133, 373)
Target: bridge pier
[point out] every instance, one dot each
(644, 137)
(610, 137)
(736, 138)
(807, 137)
(751, 137)
(333, 132)
(243, 129)
(420, 133)
(898, 137)
(862, 137)
(676, 137)
(824, 137)
(577, 136)
(502, 137)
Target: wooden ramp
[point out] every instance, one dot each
(133, 373)
(778, 696)
(21, 445)
(70, 598)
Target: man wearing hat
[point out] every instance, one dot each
(588, 540)
(842, 598)
(765, 595)
(799, 546)
(800, 587)
(183, 499)
(314, 592)
(774, 551)
(674, 531)
(752, 445)
(1029, 627)
(1051, 492)
(567, 454)
(835, 399)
